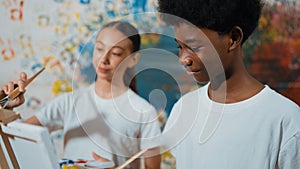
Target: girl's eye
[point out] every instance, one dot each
(99, 49)
(116, 54)
(179, 47)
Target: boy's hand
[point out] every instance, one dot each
(10, 86)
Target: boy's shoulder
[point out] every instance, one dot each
(279, 101)
(266, 99)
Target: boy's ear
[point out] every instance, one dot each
(236, 37)
(134, 59)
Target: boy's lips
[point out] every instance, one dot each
(192, 72)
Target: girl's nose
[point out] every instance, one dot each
(105, 58)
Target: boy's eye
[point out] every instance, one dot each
(195, 49)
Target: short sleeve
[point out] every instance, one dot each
(289, 156)
(174, 115)
(150, 130)
(51, 115)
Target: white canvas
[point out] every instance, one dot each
(32, 146)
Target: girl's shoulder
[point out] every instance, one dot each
(137, 100)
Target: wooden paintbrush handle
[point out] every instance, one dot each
(16, 91)
(34, 76)
(132, 159)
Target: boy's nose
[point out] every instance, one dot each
(185, 59)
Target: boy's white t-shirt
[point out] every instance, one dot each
(122, 126)
(262, 132)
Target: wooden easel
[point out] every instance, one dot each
(7, 116)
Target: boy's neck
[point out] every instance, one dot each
(235, 88)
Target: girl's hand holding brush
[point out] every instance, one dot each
(12, 94)
(10, 86)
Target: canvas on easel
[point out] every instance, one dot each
(7, 116)
(28, 146)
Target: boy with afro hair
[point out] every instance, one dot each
(240, 123)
